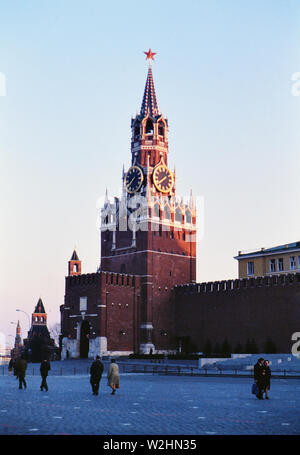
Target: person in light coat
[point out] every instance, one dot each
(113, 376)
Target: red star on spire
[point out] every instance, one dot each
(150, 55)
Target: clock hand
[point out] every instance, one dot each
(162, 180)
(131, 181)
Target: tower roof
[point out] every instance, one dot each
(149, 104)
(39, 308)
(74, 256)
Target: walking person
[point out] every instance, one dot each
(21, 367)
(259, 377)
(44, 369)
(96, 374)
(113, 376)
(11, 365)
(267, 378)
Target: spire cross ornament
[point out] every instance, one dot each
(150, 55)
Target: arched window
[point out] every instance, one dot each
(75, 267)
(167, 213)
(136, 131)
(149, 127)
(178, 215)
(156, 210)
(161, 130)
(188, 216)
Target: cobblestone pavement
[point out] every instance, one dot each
(148, 404)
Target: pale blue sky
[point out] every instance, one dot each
(75, 74)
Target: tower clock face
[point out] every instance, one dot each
(134, 179)
(163, 178)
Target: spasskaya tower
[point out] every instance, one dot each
(149, 231)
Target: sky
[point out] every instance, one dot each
(72, 75)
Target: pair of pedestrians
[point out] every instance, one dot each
(262, 378)
(20, 368)
(113, 375)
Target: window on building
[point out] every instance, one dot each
(188, 217)
(149, 127)
(292, 262)
(280, 264)
(272, 265)
(298, 262)
(161, 128)
(156, 211)
(75, 268)
(178, 215)
(136, 131)
(167, 213)
(250, 268)
(83, 304)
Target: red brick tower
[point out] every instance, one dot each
(18, 339)
(39, 316)
(74, 265)
(149, 231)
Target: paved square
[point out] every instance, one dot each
(148, 404)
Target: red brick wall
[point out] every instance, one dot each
(120, 317)
(257, 308)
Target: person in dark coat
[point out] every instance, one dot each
(11, 365)
(44, 369)
(96, 374)
(267, 378)
(260, 377)
(21, 367)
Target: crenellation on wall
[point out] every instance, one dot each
(239, 284)
(110, 278)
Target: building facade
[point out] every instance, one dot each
(278, 260)
(148, 244)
